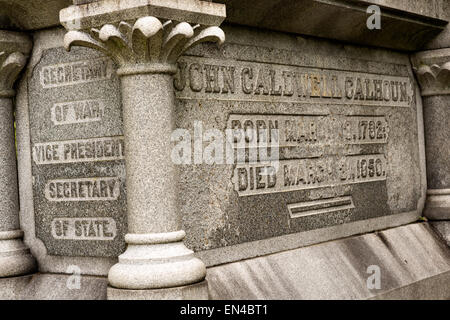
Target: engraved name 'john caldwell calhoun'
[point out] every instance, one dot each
(263, 82)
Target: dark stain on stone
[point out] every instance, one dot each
(384, 240)
(388, 245)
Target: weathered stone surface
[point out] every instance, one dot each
(197, 291)
(442, 228)
(432, 8)
(146, 42)
(442, 40)
(351, 153)
(53, 287)
(14, 48)
(219, 210)
(77, 2)
(146, 50)
(433, 69)
(437, 133)
(77, 150)
(15, 257)
(52, 39)
(414, 264)
(9, 205)
(216, 214)
(405, 24)
(433, 73)
(30, 14)
(99, 13)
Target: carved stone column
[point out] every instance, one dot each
(145, 38)
(15, 257)
(433, 73)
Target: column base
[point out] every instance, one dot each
(197, 291)
(156, 261)
(15, 256)
(437, 206)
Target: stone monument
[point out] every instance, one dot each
(192, 149)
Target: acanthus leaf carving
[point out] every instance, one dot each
(148, 41)
(432, 69)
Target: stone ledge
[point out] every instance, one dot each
(442, 228)
(403, 27)
(413, 259)
(409, 26)
(48, 286)
(410, 258)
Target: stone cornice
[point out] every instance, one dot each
(433, 71)
(98, 13)
(14, 49)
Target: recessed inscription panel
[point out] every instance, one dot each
(77, 150)
(342, 128)
(345, 124)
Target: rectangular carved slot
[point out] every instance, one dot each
(310, 208)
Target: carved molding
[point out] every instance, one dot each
(432, 69)
(96, 13)
(150, 45)
(14, 50)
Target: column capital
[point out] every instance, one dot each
(433, 71)
(14, 50)
(143, 36)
